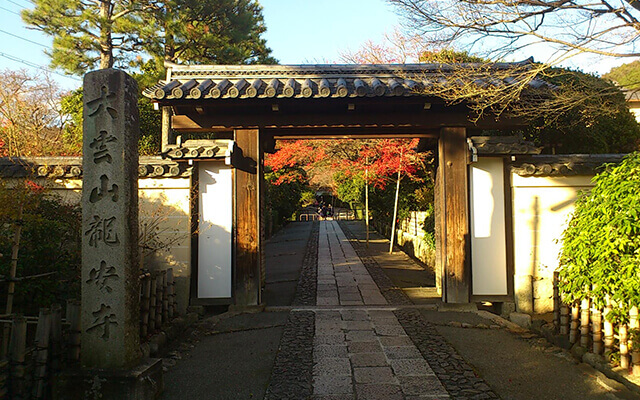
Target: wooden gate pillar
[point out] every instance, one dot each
(453, 220)
(247, 160)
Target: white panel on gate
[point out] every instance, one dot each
(488, 236)
(214, 234)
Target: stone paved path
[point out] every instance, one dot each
(361, 352)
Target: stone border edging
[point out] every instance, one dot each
(292, 373)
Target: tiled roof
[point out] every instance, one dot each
(562, 165)
(321, 81)
(71, 168)
(503, 145)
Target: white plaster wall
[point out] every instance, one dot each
(166, 201)
(541, 208)
(214, 235)
(488, 235)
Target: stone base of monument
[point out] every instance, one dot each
(143, 382)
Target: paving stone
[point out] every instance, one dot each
(354, 315)
(361, 336)
(389, 321)
(351, 303)
(327, 314)
(327, 301)
(333, 339)
(377, 314)
(329, 351)
(334, 397)
(402, 352)
(411, 367)
(332, 366)
(421, 385)
(356, 325)
(389, 330)
(368, 360)
(387, 341)
(348, 290)
(373, 375)
(323, 385)
(379, 392)
(364, 347)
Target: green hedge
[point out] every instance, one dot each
(600, 256)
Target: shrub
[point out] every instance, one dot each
(600, 257)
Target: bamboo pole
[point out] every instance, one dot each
(575, 322)
(596, 328)
(366, 197)
(608, 330)
(152, 304)
(556, 302)
(56, 338)
(564, 319)
(634, 324)
(15, 248)
(4, 378)
(172, 299)
(165, 298)
(395, 215)
(17, 357)
(43, 332)
(624, 348)
(75, 330)
(158, 301)
(144, 305)
(584, 323)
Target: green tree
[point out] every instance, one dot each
(596, 120)
(106, 33)
(601, 245)
(209, 32)
(90, 34)
(626, 75)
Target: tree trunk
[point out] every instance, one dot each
(106, 42)
(366, 198)
(395, 215)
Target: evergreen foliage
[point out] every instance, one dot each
(600, 257)
(626, 75)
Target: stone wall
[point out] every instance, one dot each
(410, 237)
(541, 208)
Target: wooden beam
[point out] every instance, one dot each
(455, 214)
(194, 122)
(247, 160)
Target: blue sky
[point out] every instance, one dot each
(298, 31)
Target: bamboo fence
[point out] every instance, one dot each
(586, 324)
(38, 348)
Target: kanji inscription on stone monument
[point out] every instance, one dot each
(110, 286)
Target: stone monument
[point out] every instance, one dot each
(111, 364)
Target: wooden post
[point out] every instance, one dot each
(144, 305)
(455, 230)
(575, 322)
(159, 300)
(165, 298)
(17, 356)
(56, 338)
(634, 324)
(152, 304)
(596, 327)
(17, 231)
(247, 160)
(73, 318)
(43, 332)
(608, 330)
(556, 301)
(172, 293)
(584, 323)
(624, 348)
(167, 140)
(564, 319)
